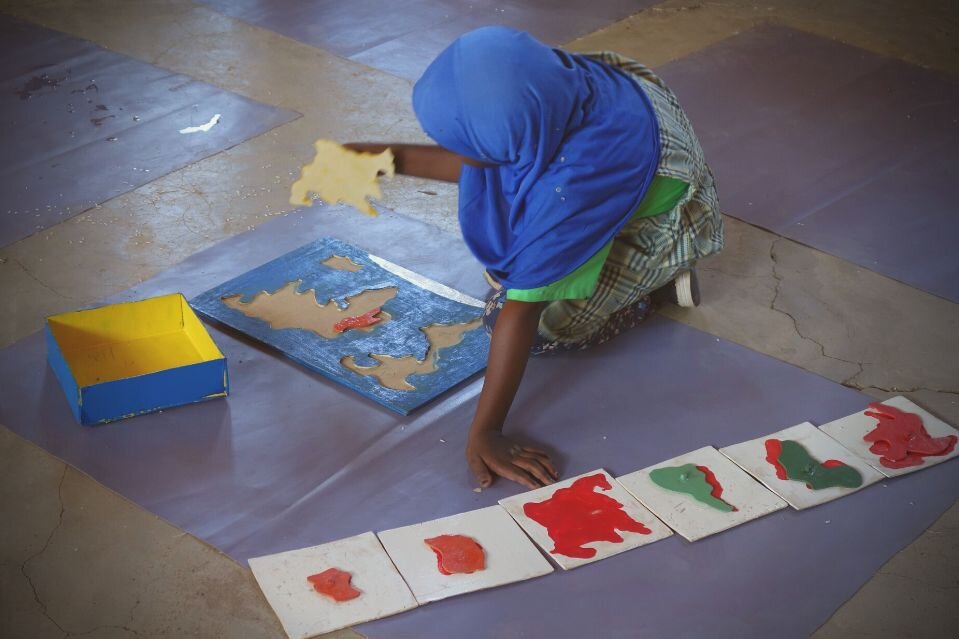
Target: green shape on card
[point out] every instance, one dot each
(801, 466)
(689, 479)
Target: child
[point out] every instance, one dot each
(582, 190)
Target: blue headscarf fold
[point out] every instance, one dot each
(573, 145)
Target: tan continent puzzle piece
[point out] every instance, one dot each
(338, 174)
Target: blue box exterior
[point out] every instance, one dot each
(122, 398)
(147, 393)
(63, 374)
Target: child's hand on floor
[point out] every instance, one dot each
(491, 453)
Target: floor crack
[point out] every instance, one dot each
(896, 389)
(39, 281)
(91, 631)
(23, 566)
(849, 381)
(130, 616)
(36, 594)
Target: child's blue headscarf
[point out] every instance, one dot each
(574, 142)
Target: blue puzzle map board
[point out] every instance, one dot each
(291, 304)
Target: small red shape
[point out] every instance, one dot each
(717, 487)
(832, 463)
(900, 439)
(774, 448)
(335, 584)
(457, 554)
(358, 321)
(578, 515)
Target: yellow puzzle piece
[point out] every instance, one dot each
(338, 174)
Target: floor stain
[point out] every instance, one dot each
(37, 84)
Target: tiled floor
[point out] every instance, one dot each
(76, 559)
(402, 38)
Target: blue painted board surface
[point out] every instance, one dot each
(412, 309)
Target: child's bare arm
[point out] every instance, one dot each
(421, 160)
(488, 451)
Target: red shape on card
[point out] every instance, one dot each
(457, 554)
(717, 487)
(900, 439)
(774, 448)
(578, 515)
(335, 584)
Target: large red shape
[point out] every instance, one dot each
(457, 554)
(901, 440)
(335, 584)
(578, 515)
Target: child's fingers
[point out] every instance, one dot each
(520, 476)
(480, 471)
(538, 451)
(543, 459)
(535, 468)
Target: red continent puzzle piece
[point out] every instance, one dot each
(578, 515)
(335, 584)
(901, 440)
(358, 321)
(717, 491)
(457, 554)
(774, 449)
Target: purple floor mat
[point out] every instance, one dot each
(832, 146)
(82, 125)
(291, 459)
(403, 37)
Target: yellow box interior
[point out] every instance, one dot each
(131, 339)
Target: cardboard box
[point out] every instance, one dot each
(127, 359)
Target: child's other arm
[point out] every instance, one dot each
(421, 160)
(488, 451)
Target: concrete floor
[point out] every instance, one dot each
(78, 560)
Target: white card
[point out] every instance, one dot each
(752, 456)
(593, 518)
(735, 497)
(304, 612)
(849, 431)
(507, 554)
